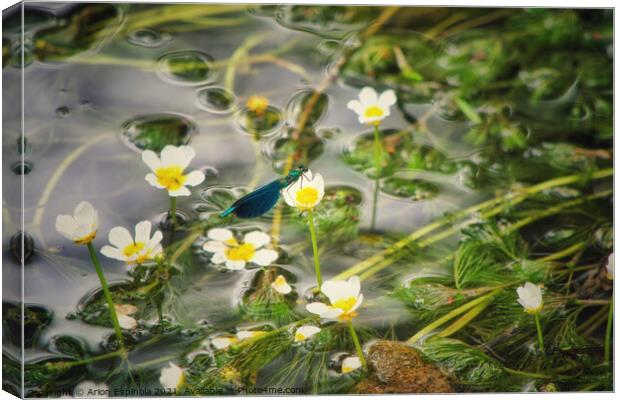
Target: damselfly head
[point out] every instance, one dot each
(302, 168)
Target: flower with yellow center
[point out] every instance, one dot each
(372, 108)
(81, 227)
(257, 104)
(280, 285)
(306, 192)
(350, 364)
(530, 297)
(234, 254)
(172, 377)
(305, 332)
(136, 250)
(168, 171)
(344, 298)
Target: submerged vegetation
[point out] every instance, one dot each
(445, 221)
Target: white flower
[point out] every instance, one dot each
(350, 364)
(91, 389)
(372, 108)
(168, 170)
(226, 249)
(306, 192)
(172, 377)
(305, 332)
(530, 297)
(242, 335)
(280, 285)
(344, 298)
(610, 266)
(223, 342)
(81, 227)
(123, 312)
(133, 251)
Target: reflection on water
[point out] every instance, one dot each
(105, 81)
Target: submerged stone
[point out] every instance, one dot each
(154, 132)
(398, 368)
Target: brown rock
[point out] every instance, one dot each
(395, 367)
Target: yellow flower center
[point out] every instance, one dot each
(86, 239)
(257, 104)
(373, 112)
(346, 369)
(345, 304)
(243, 252)
(535, 310)
(133, 249)
(280, 281)
(171, 177)
(299, 337)
(307, 197)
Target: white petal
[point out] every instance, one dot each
(257, 239)
(85, 214)
(317, 308)
(156, 250)
(332, 313)
(126, 322)
(213, 246)
(171, 377)
(357, 303)
(180, 156)
(66, 226)
(151, 160)
(288, 198)
(350, 364)
(218, 258)
(182, 191)
(354, 285)
(356, 106)
(113, 252)
(143, 232)
(194, 178)
(235, 265)
(305, 332)
(281, 286)
(120, 237)
(368, 96)
(152, 180)
(336, 290)
(387, 99)
(220, 234)
(156, 239)
(264, 257)
(242, 335)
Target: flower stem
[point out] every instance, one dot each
(608, 330)
(356, 341)
(378, 150)
(173, 210)
(374, 205)
(540, 335)
(315, 250)
(106, 293)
